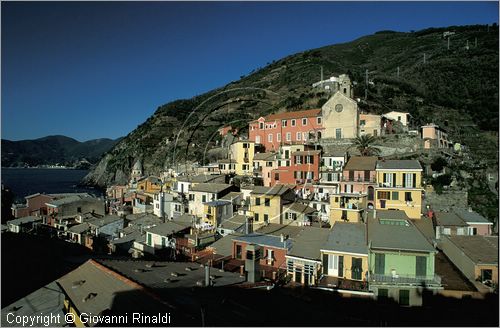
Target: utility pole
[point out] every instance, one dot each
(398, 71)
(366, 84)
(448, 43)
(467, 45)
(321, 78)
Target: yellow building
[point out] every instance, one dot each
(150, 185)
(399, 187)
(266, 203)
(215, 212)
(345, 254)
(369, 124)
(347, 207)
(241, 153)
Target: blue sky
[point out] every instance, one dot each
(99, 69)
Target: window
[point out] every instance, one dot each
(304, 121)
(409, 180)
(404, 297)
(383, 195)
(292, 216)
(408, 196)
(257, 139)
(79, 210)
(395, 195)
(362, 122)
(318, 120)
(298, 159)
(150, 242)
(310, 159)
(284, 122)
(299, 135)
(261, 126)
(304, 136)
(269, 164)
(276, 176)
(245, 167)
(486, 274)
(266, 218)
(270, 137)
(203, 198)
(256, 217)
(293, 122)
(383, 293)
(267, 201)
(389, 179)
(163, 241)
(245, 145)
(238, 251)
(191, 197)
(278, 136)
(338, 133)
(288, 136)
(257, 201)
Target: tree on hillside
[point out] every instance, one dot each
(365, 146)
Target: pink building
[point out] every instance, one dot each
(286, 128)
(303, 171)
(358, 176)
(35, 205)
(263, 165)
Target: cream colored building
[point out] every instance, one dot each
(340, 117)
(402, 117)
(369, 124)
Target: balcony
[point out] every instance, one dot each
(358, 179)
(399, 279)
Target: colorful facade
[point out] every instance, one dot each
(286, 128)
(399, 187)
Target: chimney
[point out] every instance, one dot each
(207, 276)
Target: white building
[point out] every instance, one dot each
(165, 205)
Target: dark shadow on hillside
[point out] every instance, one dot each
(233, 306)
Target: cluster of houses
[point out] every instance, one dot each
(358, 224)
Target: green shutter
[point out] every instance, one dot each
(341, 266)
(379, 263)
(421, 266)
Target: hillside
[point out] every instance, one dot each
(455, 88)
(53, 150)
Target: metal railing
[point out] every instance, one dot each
(404, 279)
(357, 179)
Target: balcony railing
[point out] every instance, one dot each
(398, 279)
(392, 185)
(357, 179)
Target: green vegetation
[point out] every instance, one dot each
(456, 89)
(364, 144)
